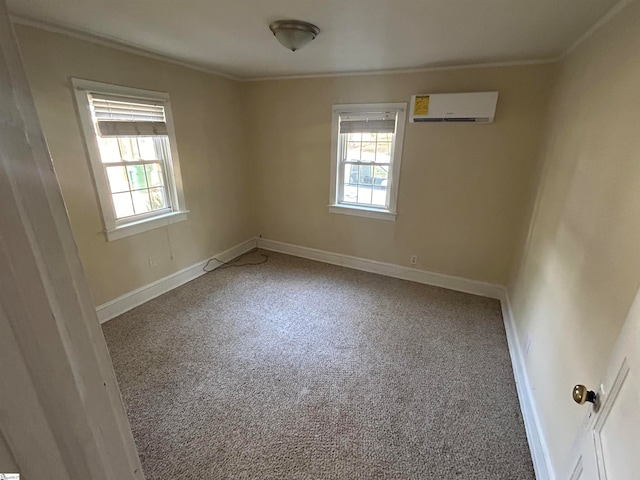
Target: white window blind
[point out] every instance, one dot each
(123, 117)
(365, 160)
(133, 154)
(368, 122)
(110, 128)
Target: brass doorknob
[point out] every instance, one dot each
(581, 394)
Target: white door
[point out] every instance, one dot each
(609, 443)
(61, 413)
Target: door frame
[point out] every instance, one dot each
(61, 412)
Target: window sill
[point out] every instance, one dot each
(363, 212)
(145, 225)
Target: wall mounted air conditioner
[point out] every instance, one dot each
(454, 107)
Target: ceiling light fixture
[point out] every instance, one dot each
(294, 34)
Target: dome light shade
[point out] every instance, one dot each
(294, 34)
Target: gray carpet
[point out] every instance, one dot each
(295, 369)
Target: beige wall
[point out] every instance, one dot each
(211, 145)
(463, 187)
(260, 165)
(581, 266)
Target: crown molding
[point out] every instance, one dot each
(612, 12)
(136, 50)
(515, 63)
(115, 44)
(143, 52)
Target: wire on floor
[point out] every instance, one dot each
(233, 263)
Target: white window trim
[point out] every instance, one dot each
(118, 228)
(145, 225)
(359, 210)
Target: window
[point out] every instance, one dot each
(132, 149)
(366, 154)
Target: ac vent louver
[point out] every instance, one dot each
(473, 107)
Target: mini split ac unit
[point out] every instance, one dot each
(454, 107)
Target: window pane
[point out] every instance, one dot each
(383, 152)
(118, 179)
(109, 151)
(136, 176)
(365, 185)
(366, 175)
(355, 137)
(350, 183)
(154, 175)
(129, 148)
(157, 198)
(146, 148)
(353, 152)
(380, 184)
(379, 198)
(380, 173)
(364, 194)
(368, 151)
(350, 174)
(369, 137)
(122, 204)
(141, 201)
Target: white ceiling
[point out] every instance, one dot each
(232, 36)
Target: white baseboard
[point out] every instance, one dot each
(389, 269)
(537, 443)
(130, 300)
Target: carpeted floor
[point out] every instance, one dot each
(295, 369)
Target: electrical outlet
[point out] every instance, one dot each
(414, 259)
(153, 262)
(527, 345)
